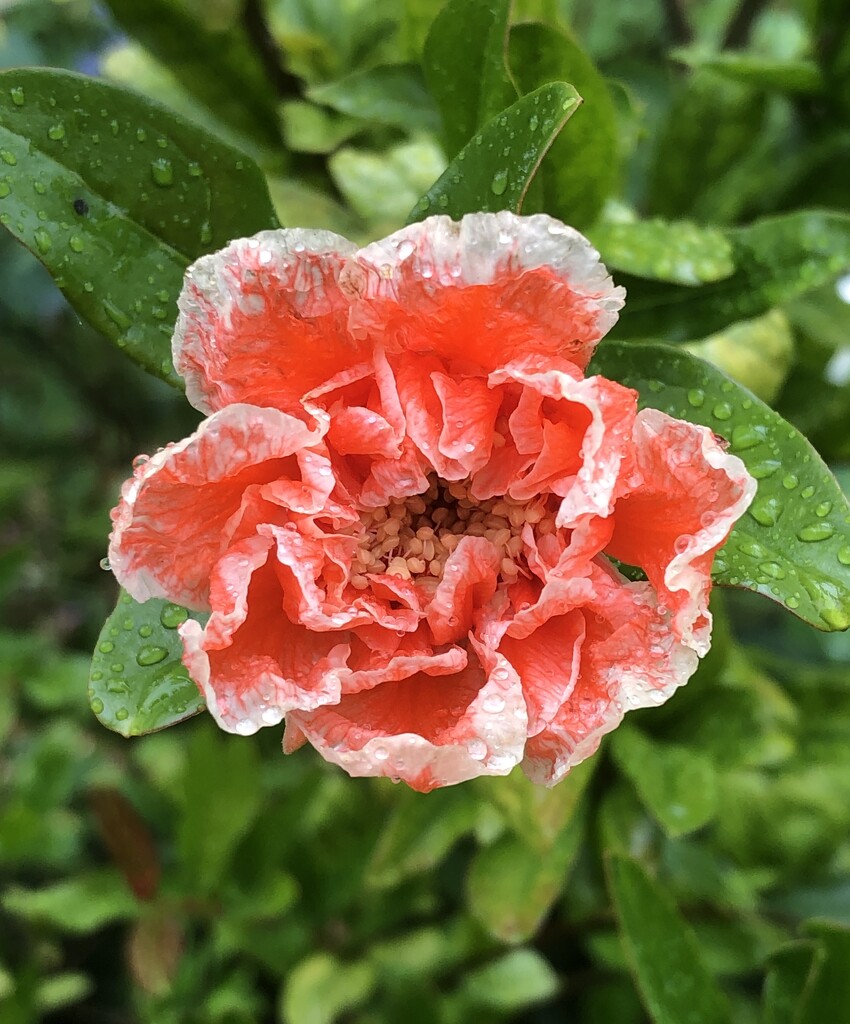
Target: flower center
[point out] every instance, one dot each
(413, 537)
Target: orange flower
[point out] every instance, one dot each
(400, 509)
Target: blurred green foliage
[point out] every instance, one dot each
(699, 866)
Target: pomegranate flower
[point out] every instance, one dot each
(402, 508)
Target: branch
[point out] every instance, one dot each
(256, 28)
(738, 32)
(677, 22)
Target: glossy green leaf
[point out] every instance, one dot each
(219, 69)
(662, 951)
(827, 996)
(793, 545)
(676, 251)
(321, 988)
(494, 170)
(676, 784)
(512, 886)
(465, 66)
(393, 94)
(581, 168)
(795, 77)
(791, 971)
(116, 195)
(776, 259)
(138, 683)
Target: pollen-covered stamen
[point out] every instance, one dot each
(413, 537)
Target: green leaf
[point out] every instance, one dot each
(827, 996)
(757, 353)
(220, 69)
(381, 187)
(677, 785)
(535, 814)
(710, 127)
(791, 971)
(580, 170)
(116, 195)
(795, 77)
(320, 989)
(393, 94)
(138, 683)
(494, 170)
(60, 990)
(793, 545)
(511, 886)
(419, 834)
(80, 905)
(676, 251)
(220, 799)
(776, 259)
(465, 66)
(662, 951)
(517, 979)
(308, 128)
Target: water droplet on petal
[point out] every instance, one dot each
(477, 749)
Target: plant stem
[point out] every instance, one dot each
(258, 32)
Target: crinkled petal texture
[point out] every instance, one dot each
(402, 508)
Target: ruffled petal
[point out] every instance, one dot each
(427, 731)
(484, 290)
(250, 661)
(677, 509)
(170, 526)
(265, 320)
(630, 658)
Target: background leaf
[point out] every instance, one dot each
(662, 951)
(138, 683)
(793, 545)
(775, 259)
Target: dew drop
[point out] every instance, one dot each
(792, 602)
(5, 188)
(122, 714)
(172, 616)
(145, 632)
(823, 509)
(43, 241)
(773, 569)
(151, 655)
(834, 617)
(56, 132)
(477, 749)
(104, 564)
(765, 511)
(381, 753)
(816, 532)
(106, 647)
(744, 437)
(696, 397)
(844, 555)
(499, 183)
(96, 676)
(17, 95)
(116, 315)
(76, 243)
(722, 411)
(790, 481)
(97, 705)
(807, 492)
(493, 703)
(162, 172)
